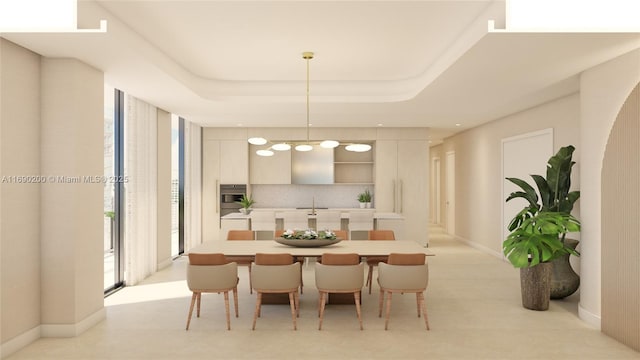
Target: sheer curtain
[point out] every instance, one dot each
(141, 170)
(193, 186)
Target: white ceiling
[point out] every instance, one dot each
(395, 63)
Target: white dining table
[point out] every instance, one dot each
(360, 247)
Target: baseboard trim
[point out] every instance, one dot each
(19, 342)
(71, 330)
(589, 317)
(480, 247)
(165, 263)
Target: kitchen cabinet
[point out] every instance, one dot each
(210, 190)
(352, 167)
(234, 161)
(401, 185)
(274, 169)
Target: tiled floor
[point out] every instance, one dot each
(473, 301)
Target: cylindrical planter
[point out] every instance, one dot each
(535, 284)
(564, 281)
(362, 205)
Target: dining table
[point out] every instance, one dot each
(360, 247)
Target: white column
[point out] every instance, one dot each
(72, 149)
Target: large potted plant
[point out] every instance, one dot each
(555, 196)
(532, 246)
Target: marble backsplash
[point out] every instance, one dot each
(296, 196)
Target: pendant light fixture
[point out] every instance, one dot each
(308, 145)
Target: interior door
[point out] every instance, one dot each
(450, 198)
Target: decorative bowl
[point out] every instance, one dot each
(308, 242)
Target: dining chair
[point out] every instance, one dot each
(263, 220)
(339, 273)
(373, 261)
(234, 235)
(403, 273)
(360, 220)
(295, 220)
(328, 220)
(212, 273)
(276, 274)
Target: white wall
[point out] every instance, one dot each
(72, 145)
(603, 90)
(478, 166)
(19, 202)
(51, 123)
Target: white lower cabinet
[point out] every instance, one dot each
(397, 225)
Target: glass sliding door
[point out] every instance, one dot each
(177, 185)
(113, 155)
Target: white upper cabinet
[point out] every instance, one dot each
(234, 162)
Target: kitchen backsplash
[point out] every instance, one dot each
(296, 196)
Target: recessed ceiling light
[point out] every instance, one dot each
(379, 124)
(458, 124)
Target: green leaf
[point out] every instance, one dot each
(529, 193)
(546, 194)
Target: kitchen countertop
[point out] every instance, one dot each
(344, 215)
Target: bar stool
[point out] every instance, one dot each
(360, 220)
(263, 221)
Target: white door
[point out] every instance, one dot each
(450, 198)
(435, 188)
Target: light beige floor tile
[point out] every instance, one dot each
(473, 302)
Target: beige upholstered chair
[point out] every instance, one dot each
(276, 274)
(328, 220)
(339, 273)
(375, 260)
(403, 273)
(234, 235)
(211, 273)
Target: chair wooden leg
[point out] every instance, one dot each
(297, 299)
(356, 296)
(199, 298)
(226, 309)
(257, 311)
(292, 304)
(418, 303)
(235, 299)
(386, 320)
(321, 308)
(424, 310)
(380, 302)
(193, 301)
(370, 278)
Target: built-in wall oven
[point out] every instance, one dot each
(229, 195)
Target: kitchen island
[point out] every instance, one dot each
(381, 220)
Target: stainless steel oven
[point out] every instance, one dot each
(229, 195)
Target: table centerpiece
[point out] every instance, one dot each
(308, 238)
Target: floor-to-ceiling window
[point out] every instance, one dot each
(113, 152)
(177, 185)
